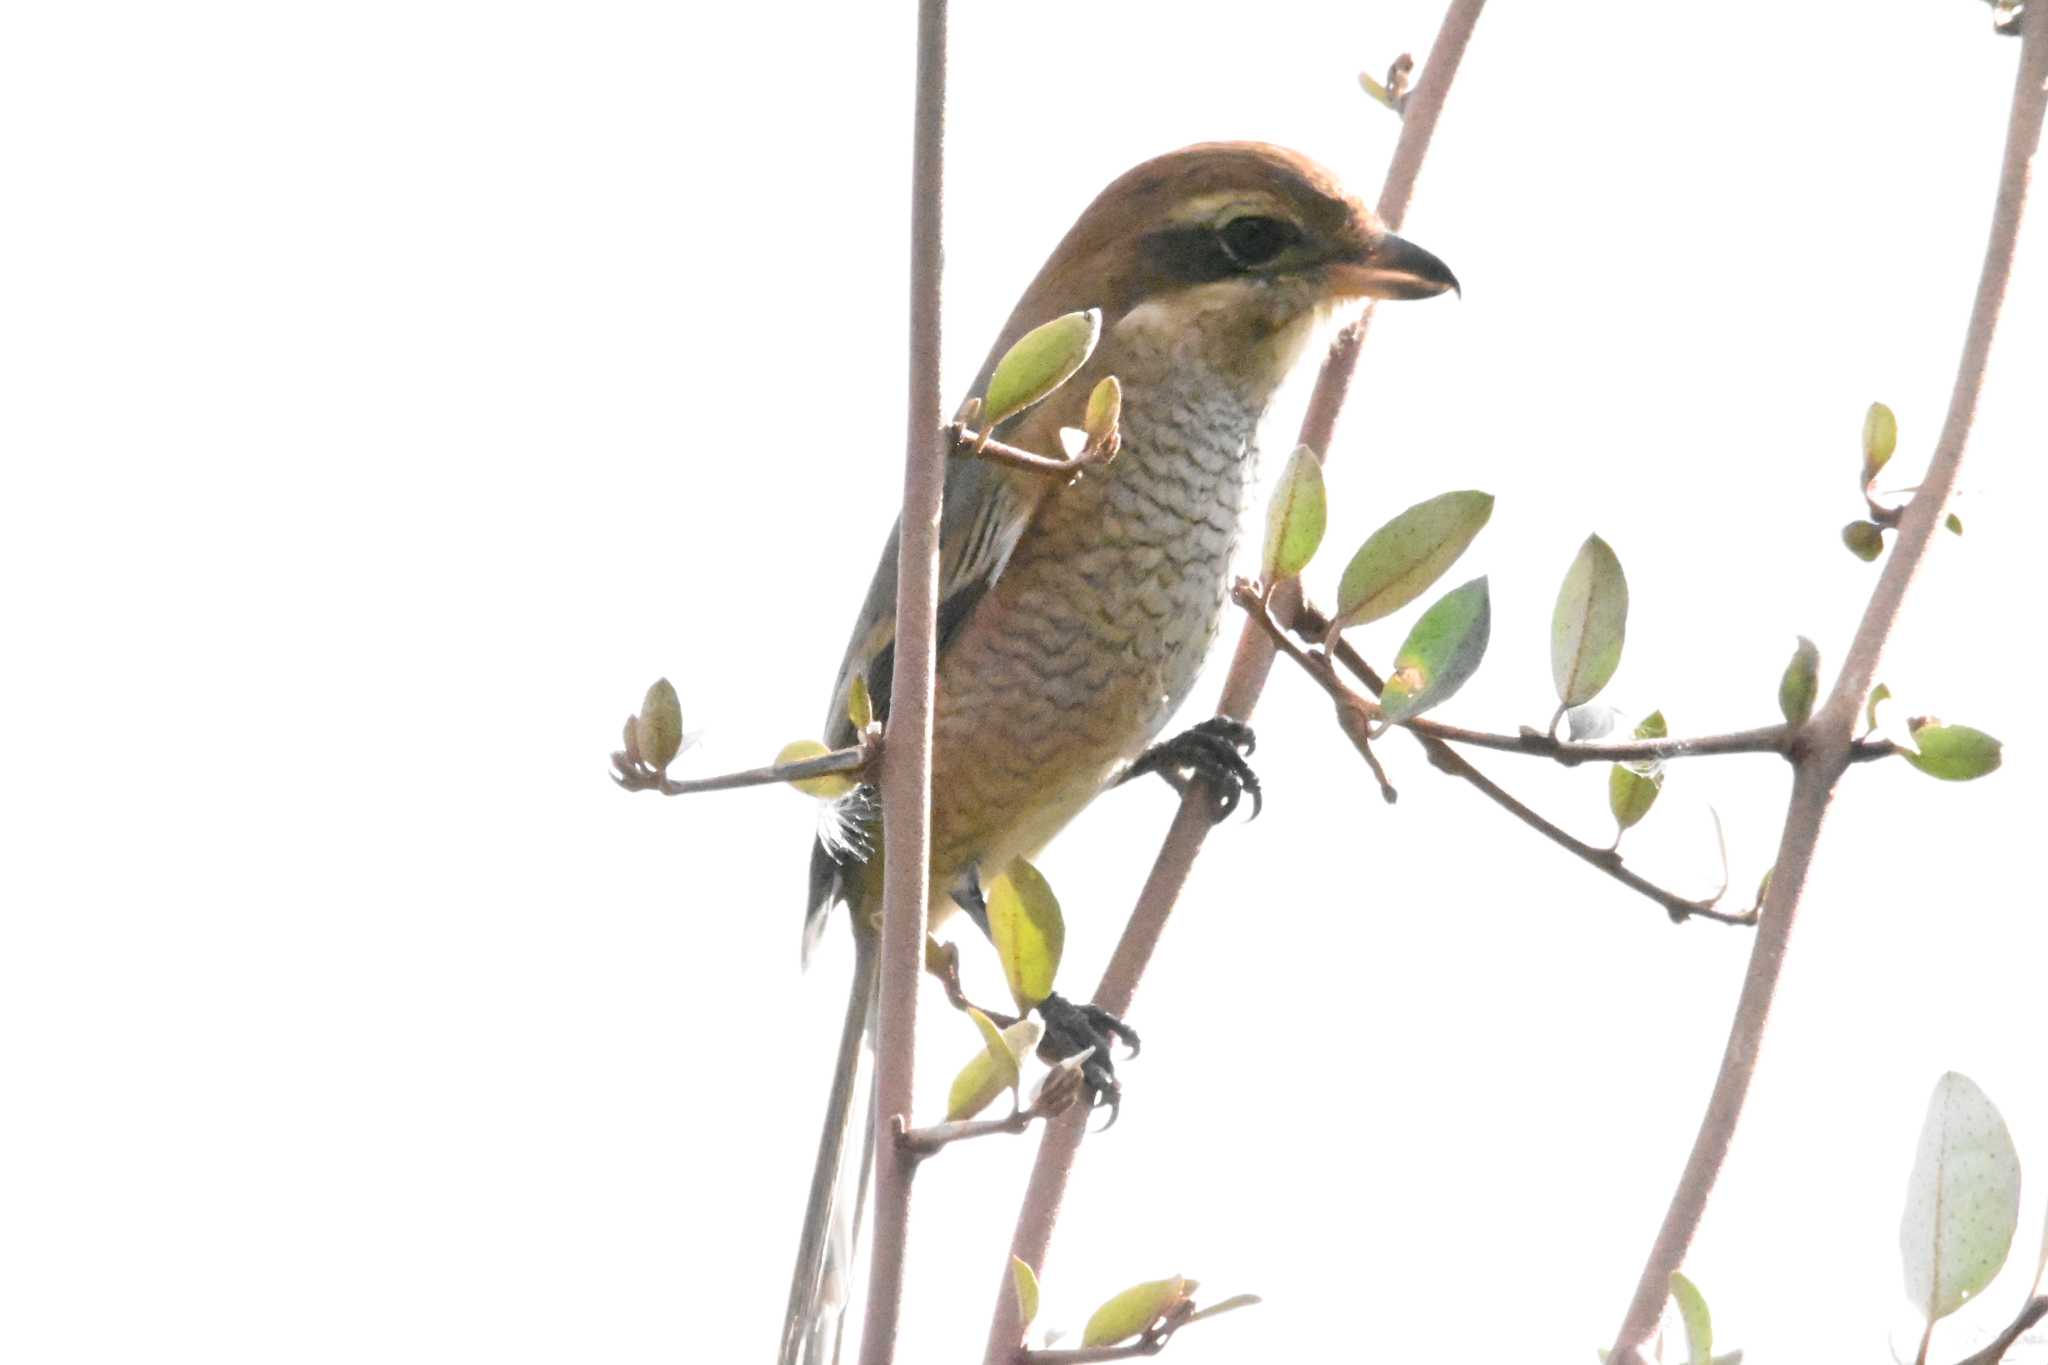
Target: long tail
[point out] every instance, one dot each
(825, 1277)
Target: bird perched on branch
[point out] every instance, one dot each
(1074, 617)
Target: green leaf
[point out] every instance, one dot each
(1963, 1201)
(1953, 523)
(829, 787)
(1440, 653)
(1026, 1284)
(1399, 562)
(1043, 359)
(1880, 438)
(1800, 683)
(1878, 696)
(1630, 795)
(1588, 625)
(992, 1070)
(1375, 89)
(1024, 920)
(1699, 1325)
(1632, 787)
(860, 707)
(1294, 522)
(1954, 753)
(1133, 1312)
(1865, 539)
(1105, 411)
(658, 729)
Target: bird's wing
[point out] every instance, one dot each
(986, 509)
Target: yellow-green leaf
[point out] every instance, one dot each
(1105, 411)
(992, 1070)
(1800, 683)
(1865, 539)
(1043, 359)
(1630, 795)
(1294, 523)
(1399, 562)
(828, 787)
(1878, 696)
(1375, 89)
(1024, 921)
(1632, 787)
(1026, 1284)
(860, 707)
(1133, 1312)
(1589, 623)
(1699, 1324)
(1953, 522)
(658, 729)
(1954, 753)
(1962, 1203)
(1440, 653)
(1880, 439)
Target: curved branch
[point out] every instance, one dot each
(1826, 744)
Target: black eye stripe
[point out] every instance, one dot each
(1198, 255)
(1252, 241)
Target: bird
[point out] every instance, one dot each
(1075, 616)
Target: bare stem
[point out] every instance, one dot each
(1825, 745)
(922, 1142)
(1248, 671)
(967, 445)
(1350, 712)
(1148, 1345)
(907, 764)
(636, 777)
(2033, 1312)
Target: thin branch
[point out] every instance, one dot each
(1350, 711)
(907, 765)
(1248, 671)
(1782, 740)
(1826, 744)
(922, 1142)
(1148, 1345)
(638, 777)
(2033, 1312)
(968, 445)
(1764, 739)
(1313, 625)
(1056, 1094)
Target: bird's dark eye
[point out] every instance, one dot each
(1250, 242)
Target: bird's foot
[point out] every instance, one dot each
(1212, 752)
(1071, 1030)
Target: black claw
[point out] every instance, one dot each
(1213, 752)
(1072, 1029)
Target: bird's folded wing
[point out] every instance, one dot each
(986, 509)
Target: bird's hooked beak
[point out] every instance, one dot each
(1391, 268)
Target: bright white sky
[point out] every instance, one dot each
(392, 391)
